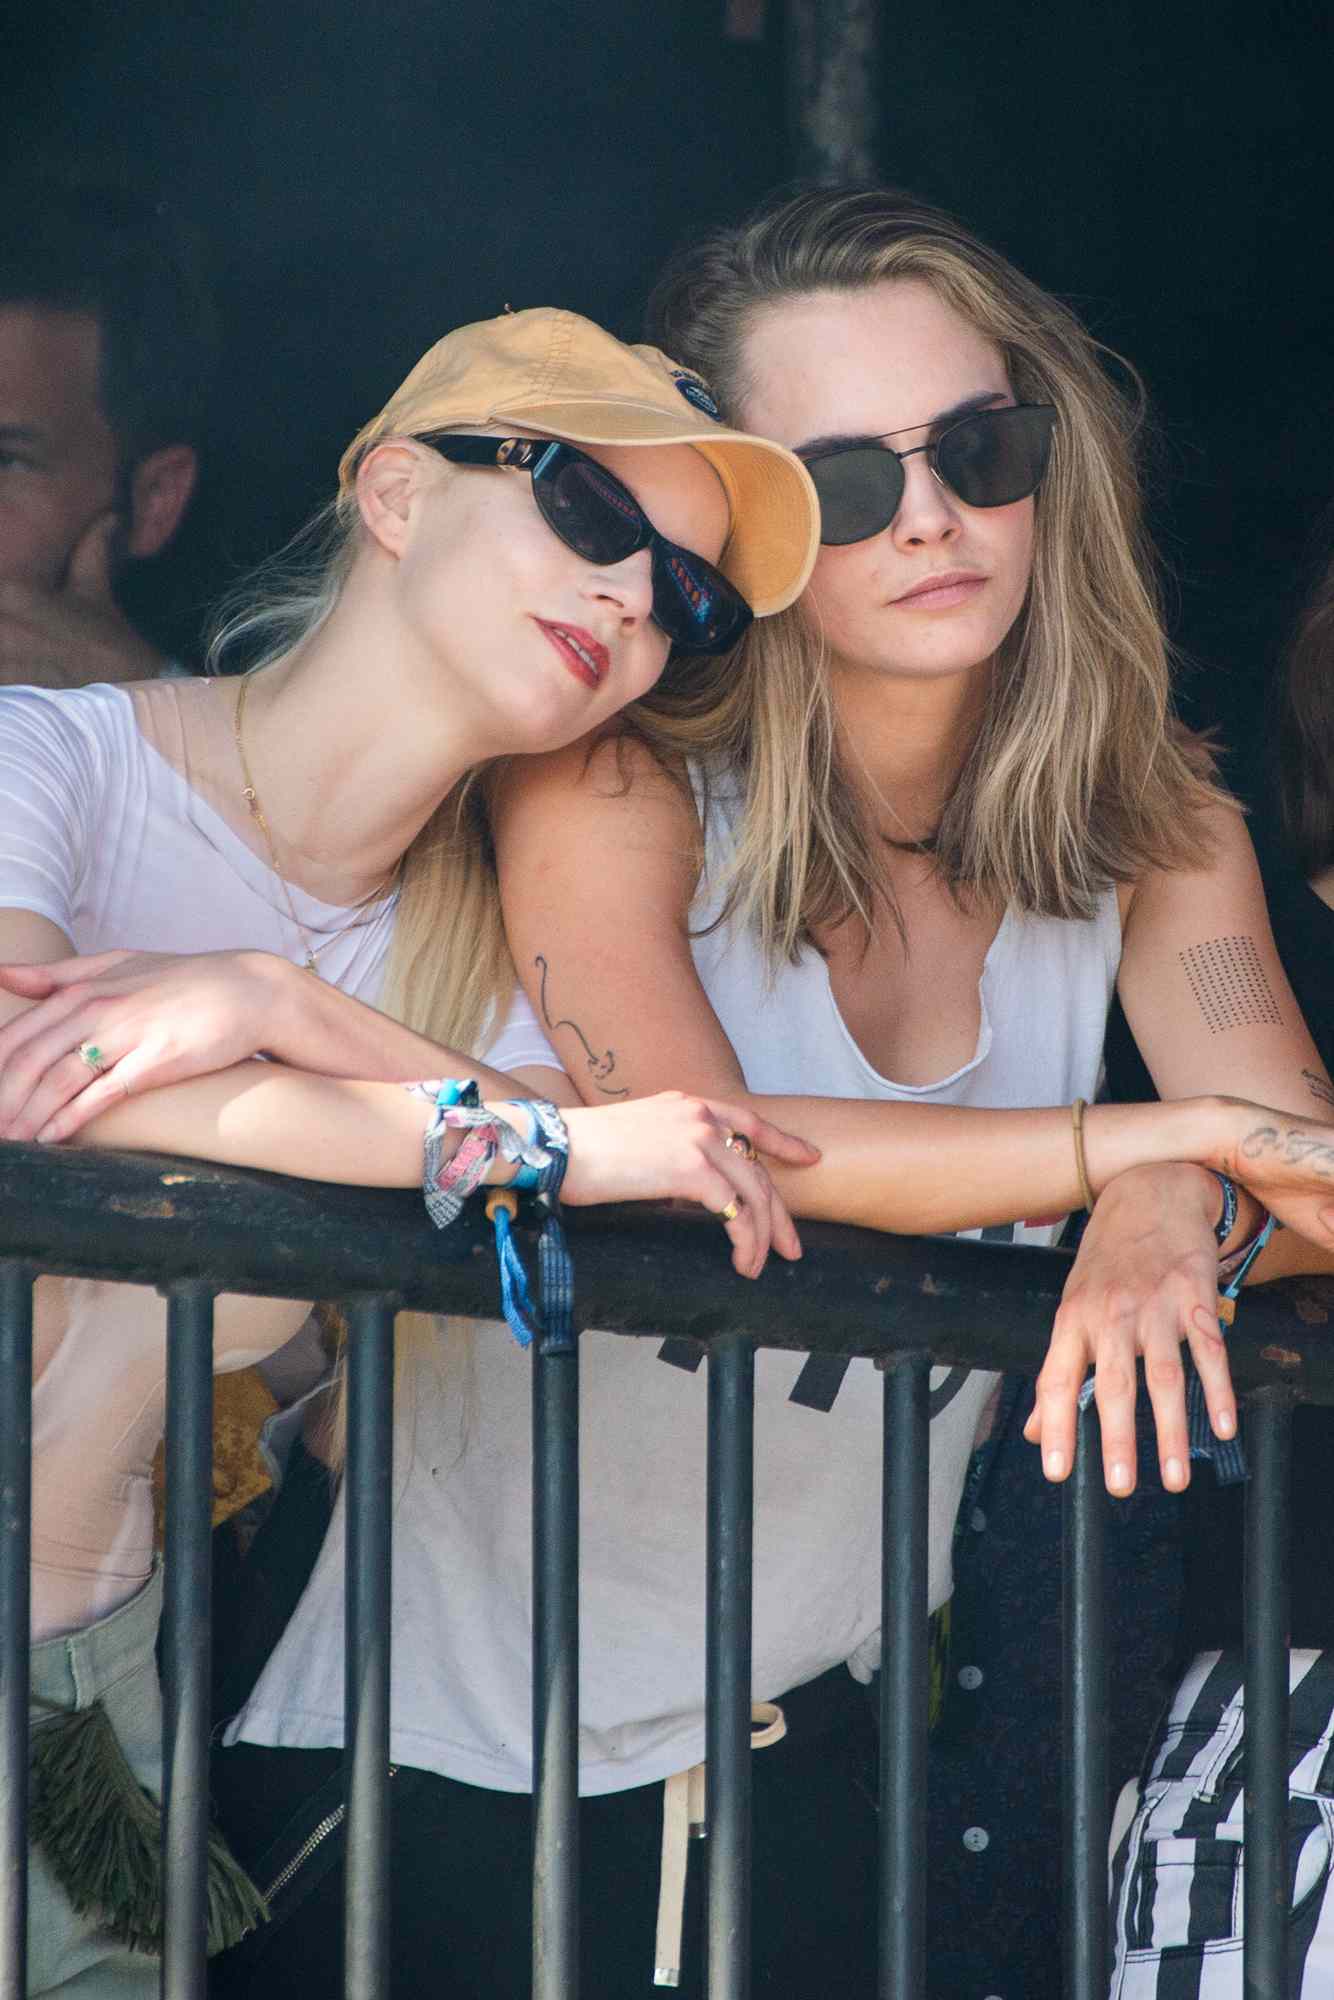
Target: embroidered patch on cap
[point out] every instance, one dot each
(697, 395)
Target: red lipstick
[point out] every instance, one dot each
(586, 657)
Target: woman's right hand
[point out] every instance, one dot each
(153, 1017)
(676, 1147)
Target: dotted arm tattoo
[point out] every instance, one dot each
(600, 1067)
(1228, 980)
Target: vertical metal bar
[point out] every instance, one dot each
(1266, 1895)
(1084, 1715)
(904, 1693)
(369, 1483)
(731, 1480)
(187, 1638)
(15, 1546)
(556, 1672)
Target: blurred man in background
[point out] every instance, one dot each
(107, 346)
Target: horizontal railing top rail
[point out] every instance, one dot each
(639, 1270)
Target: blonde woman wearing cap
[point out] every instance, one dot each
(486, 588)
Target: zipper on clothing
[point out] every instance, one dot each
(315, 1838)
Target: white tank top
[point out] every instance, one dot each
(462, 1568)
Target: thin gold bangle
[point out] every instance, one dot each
(1077, 1110)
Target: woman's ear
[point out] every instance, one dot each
(388, 487)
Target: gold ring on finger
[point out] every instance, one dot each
(91, 1055)
(732, 1210)
(737, 1142)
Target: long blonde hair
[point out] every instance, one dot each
(450, 973)
(447, 878)
(1076, 775)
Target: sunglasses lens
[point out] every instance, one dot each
(590, 511)
(996, 457)
(694, 603)
(859, 491)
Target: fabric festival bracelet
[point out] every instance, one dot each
(541, 1158)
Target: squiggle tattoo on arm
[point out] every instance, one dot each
(1228, 981)
(599, 1066)
(1319, 1089)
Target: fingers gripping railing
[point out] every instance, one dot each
(197, 1231)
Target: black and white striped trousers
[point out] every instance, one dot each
(1177, 1871)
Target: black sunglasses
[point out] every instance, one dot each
(987, 460)
(597, 517)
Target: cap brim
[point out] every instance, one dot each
(775, 512)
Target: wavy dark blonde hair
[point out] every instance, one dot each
(1076, 775)
(1305, 736)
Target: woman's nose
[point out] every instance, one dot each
(628, 584)
(928, 511)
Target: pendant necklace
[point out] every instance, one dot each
(256, 811)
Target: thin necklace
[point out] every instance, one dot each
(256, 810)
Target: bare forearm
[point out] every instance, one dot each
(921, 1169)
(315, 1027)
(282, 1120)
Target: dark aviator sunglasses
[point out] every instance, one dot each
(597, 517)
(989, 459)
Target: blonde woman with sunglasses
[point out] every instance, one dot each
(537, 515)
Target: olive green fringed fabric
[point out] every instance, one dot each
(101, 1834)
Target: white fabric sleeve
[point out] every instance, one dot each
(520, 1043)
(50, 778)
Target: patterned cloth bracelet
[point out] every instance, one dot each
(541, 1158)
(448, 1181)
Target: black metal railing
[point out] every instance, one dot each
(195, 1231)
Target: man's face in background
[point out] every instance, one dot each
(59, 462)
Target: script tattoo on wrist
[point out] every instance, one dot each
(1228, 980)
(1298, 1149)
(1322, 1091)
(600, 1067)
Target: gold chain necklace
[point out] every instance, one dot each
(256, 810)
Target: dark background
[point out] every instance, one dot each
(370, 175)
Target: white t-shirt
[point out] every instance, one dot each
(102, 835)
(462, 1559)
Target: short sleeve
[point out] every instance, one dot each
(520, 1043)
(48, 783)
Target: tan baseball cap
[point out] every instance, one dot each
(555, 374)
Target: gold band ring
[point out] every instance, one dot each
(737, 1142)
(732, 1210)
(89, 1053)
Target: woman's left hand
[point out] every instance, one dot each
(1145, 1278)
(672, 1146)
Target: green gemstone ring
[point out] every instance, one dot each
(90, 1053)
